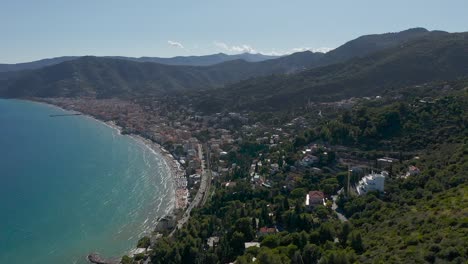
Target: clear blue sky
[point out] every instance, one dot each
(35, 29)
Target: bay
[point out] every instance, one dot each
(71, 185)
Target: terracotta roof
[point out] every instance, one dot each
(316, 194)
(267, 230)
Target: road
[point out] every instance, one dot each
(208, 175)
(201, 195)
(341, 217)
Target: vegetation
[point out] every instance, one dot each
(420, 118)
(104, 77)
(419, 219)
(402, 125)
(430, 58)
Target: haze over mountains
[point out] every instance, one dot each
(204, 60)
(367, 65)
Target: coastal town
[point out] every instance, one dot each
(234, 132)
(200, 152)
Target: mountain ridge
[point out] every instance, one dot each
(427, 59)
(203, 60)
(115, 77)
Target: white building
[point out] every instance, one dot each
(251, 244)
(372, 182)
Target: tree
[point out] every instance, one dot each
(356, 241)
(254, 223)
(237, 243)
(286, 203)
(299, 141)
(311, 253)
(267, 256)
(321, 211)
(345, 230)
(144, 242)
(126, 260)
(297, 258)
(326, 232)
(271, 241)
(244, 226)
(335, 258)
(298, 193)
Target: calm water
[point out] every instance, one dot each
(72, 185)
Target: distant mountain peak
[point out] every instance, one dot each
(415, 30)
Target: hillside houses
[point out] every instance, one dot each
(372, 182)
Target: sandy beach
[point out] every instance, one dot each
(177, 174)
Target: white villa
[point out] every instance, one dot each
(372, 182)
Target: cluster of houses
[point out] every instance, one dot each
(263, 231)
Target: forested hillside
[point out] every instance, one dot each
(105, 77)
(420, 218)
(427, 59)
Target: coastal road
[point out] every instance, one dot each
(205, 181)
(208, 176)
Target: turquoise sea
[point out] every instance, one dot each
(72, 185)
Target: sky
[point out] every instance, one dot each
(32, 29)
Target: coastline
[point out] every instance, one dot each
(172, 166)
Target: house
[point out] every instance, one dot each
(412, 170)
(372, 182)
(257, 179)
(212, 241)
(291, 181)
(230, 184)
(316, 170)
(263, 231)
(385, 162)
(251, 244)
(314, 198)
(194, 179)
(274, 168)
(191, 153)
(308, 160)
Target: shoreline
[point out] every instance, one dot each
(173, 167)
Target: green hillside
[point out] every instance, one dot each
(427, 59)
(105, 77)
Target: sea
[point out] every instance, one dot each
(71, 185)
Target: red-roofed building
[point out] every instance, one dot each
(263, 231)
(314, 198)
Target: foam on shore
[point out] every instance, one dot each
(171, 166)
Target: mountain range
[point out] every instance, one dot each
(432, 57)
(368, 65)
(204, 60)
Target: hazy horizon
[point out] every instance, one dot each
(46, 29)
(253, 52)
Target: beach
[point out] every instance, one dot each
(173, 167)
(177, 174)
